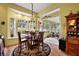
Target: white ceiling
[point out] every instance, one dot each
(54, 19)
(37, 7)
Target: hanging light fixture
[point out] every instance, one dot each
(32, 19)
(32, 10)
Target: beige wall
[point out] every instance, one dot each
(64, 10)
(5, 14)
(3, 17)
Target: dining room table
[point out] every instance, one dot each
(35, 45)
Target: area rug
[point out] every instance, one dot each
(25, 52)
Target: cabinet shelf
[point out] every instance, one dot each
(72, 41)
(69, 30)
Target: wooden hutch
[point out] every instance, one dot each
(72, 39)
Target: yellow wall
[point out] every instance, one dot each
(4, 13)
(64, 10)
(3, 17)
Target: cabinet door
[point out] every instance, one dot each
(72, 50)
(78, 50)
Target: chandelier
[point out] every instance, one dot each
(32, 10)
(32, 19)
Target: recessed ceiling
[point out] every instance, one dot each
(37, 7)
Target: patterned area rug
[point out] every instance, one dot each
(55, 51)
(25, 52)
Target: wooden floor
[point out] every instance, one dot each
(54, 51)
(52, 42)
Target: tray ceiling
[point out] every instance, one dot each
(37, 7)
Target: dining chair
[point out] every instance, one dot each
(33, 42)
(40, 38)
(2, 45)
(21, 41)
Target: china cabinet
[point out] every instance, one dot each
(72, 39)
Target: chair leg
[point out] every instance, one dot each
(38, 49)
(19, 49)
(25, 44)
(3, 52)
(42, 46)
